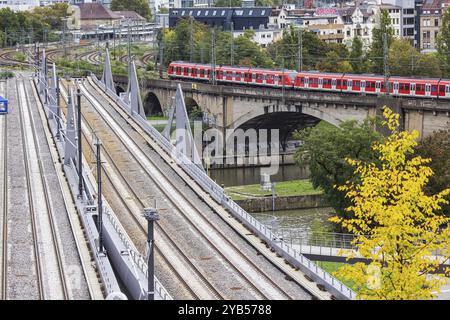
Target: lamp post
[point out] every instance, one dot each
(151, 215)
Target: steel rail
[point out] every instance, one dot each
(31, 209)
(5, 199)
(50, 211)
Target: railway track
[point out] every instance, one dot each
(48, 259)
(134, 214)
(260, 283)
(4, 166)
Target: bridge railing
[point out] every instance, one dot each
(317, 274)
(89, 194)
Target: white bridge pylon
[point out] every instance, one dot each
(184, 140)
(107, 77)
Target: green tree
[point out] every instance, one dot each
(437, 148)
(429, 65)
(285, 50)
(249, 53)
(324, 151)
(402, 58)
(228, 3)
(443, 41)
(334, 63)
(52, 14)
(356, 56)
(139, 6)
(376, 50)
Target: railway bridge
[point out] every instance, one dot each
(232, 107)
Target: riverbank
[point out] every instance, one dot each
(289, 195)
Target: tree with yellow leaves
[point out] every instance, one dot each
(395, 222)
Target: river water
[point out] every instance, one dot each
(302, 221)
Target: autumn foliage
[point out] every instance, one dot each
(396, 221)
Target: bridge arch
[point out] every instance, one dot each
(285, 113)
(152, 105)
(119, 89)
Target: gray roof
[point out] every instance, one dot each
(95, 11)
(221, 12)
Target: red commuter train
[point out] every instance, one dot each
(311, 80)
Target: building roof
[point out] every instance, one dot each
(217, 12)
(129, 15)
(95, 11)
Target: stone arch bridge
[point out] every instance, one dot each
(232, 107)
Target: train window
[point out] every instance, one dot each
(402, 86)
(170, 69)
(344, 83)
(434, 88)
(253, 75)
(178, 69)
(302, 81)
(406, 86)
(356, 84)
(194, 72)
(441, 89)
(310, 81)
(339, 83)
(316, 81)
(202, 72)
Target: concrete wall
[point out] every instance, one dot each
(264, 204)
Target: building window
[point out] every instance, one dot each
(436, 22)
(250, 12)
(223, 12)
(263, 12)
(214, 12)
(239, 12)
(206, 12)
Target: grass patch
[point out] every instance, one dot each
(157, 118)
(332, 267)
(282, 189)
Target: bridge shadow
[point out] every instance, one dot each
(286, 122)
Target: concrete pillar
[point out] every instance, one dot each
(414, 121)
(395, 105)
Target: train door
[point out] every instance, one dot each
(447, 91)
(378, 87)
(333, 84)
(427, 90)
(413, 89)
(395, 89)
(306, 83)
(320, 86)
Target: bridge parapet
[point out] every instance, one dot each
(231, 106)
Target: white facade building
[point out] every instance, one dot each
(263, 37)
(19, 5)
